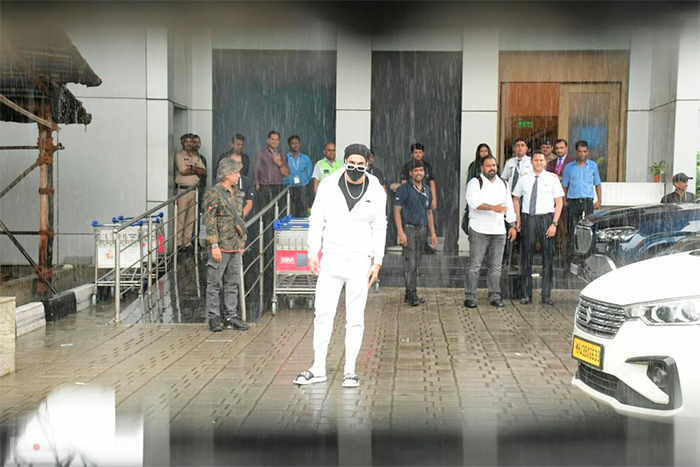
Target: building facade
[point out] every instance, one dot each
(624, 76)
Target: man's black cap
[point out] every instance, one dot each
(546, 141)
(359, 149)
(681, 177)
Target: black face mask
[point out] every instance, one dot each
(354, 174)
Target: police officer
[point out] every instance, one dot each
(226, 237)
(189, 169)
(413, 215)
(542, 202)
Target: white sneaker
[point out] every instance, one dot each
(306, 377)
(350, 380)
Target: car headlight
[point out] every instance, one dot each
(618, 234)
(681, 312)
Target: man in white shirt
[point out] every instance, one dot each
(348, 225)
(489, 200)
(517, 164)
(542, 202)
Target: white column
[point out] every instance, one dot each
(201, 116)
(353, 89)
(687, 122)
(479, 102)
(157, 115)
(638, 105)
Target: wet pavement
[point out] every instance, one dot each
(440, 385)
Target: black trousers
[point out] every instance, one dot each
(575, 209)
(412, 255)
(534, 229)
(299, 201)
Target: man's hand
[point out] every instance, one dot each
(597, 204)
(277, 158)
(518, 225)
(512, 233)
(500, 208)
(403, 239)
(216, 254)
(373, 274)
(314, 265)
(551, 231)
(433, 241)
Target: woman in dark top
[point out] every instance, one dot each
(474, 170)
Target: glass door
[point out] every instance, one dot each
(591, 112)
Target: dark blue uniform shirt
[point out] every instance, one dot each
(414, 203)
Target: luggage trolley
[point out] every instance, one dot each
(292, 275)
(133, 258)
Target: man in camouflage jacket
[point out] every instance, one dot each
(226, 237)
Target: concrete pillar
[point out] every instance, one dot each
(7, 335)
(637, 152)
(158, 116)
(201, 113)
(479, 102)
(687, 122)
(353, 89)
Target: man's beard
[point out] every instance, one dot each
(490, 175)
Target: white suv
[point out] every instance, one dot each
(637, 338)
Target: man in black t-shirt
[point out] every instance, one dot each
(372, 169)
(237, 143)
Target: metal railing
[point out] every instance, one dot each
(150, 270)
(263, 246)
(170, 248)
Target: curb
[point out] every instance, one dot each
(35, 315)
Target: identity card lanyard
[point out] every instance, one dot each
(296, 167)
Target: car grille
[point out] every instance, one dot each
(583, 240)
(598, 318)
(595, 379)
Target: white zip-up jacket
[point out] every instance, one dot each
(333, 229)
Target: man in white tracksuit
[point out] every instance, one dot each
(348, 226)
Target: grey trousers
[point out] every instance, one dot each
(412, 255)
(226, 273)
(480, 247)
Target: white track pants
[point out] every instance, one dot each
(336, 272)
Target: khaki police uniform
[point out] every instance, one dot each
(186, 209)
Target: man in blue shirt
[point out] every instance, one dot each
(413, 216)
(300, 169)
(580, 179)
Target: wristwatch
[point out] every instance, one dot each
(555, 223)
(214, 245)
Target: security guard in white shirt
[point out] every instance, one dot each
(517, 164)
(348, 226)
(542, 202)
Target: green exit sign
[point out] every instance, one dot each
(525, 124)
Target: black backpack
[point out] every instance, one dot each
(465, 216)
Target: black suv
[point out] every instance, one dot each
(610, 239)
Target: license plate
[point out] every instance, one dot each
(574, 269)
(588, 352)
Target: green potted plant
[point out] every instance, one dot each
(657, 169)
